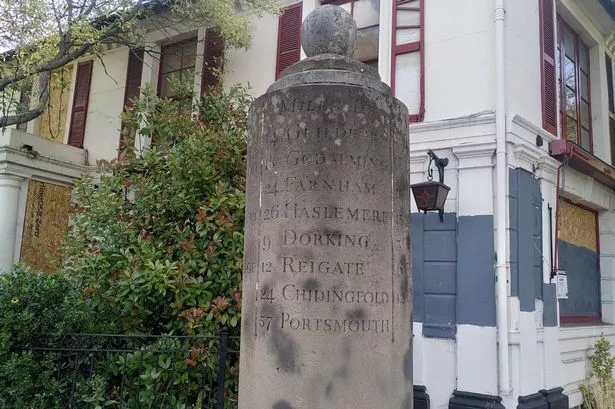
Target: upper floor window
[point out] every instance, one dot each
(366, 14)
(177, 63)
(574, 85)
(611, 91)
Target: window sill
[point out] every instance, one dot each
(585, 330)
(583, 161)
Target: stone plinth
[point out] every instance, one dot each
(326, 315)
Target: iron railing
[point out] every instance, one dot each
(104, 371)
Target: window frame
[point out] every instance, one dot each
(369, 60)
(611, 102)
(562, 28)
(163, 49)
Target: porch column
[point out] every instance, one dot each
(10, 187)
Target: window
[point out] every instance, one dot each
(578, 256)
(407, 56)
(611, 91)
(574, 83)
(366, 14)
(24, 104)
(177, 63)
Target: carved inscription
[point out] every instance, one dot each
(334, 324)
(302, 185)
(325, 219)
(323, 159)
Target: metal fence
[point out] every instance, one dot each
(103, 371)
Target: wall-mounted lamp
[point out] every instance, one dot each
(430, 195)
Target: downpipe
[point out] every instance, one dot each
(501, 183)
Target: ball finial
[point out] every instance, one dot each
(329, 30)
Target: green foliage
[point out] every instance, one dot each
(600, 394)
(38, 37)
(32, 306)
(157, 242)
(155, 247)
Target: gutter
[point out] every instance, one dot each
(500, 204)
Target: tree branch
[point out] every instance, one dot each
(33, 112)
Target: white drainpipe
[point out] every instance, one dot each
(501, 179)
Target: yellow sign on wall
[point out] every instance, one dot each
(47, 211)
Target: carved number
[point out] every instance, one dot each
(267, 294)
(271, 214)
(266, 243)
(265, 322)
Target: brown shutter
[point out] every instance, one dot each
(289, 38)
(213, 59)
(131, 92)
(80, 104)
(548, 75)
(133, 76)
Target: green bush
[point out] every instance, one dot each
(600, 393)
(155, 247)
(33, 306)
(157, 242)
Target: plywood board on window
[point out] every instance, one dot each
(52, 124)
(577, 225)
(47, 212)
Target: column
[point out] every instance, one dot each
(10, 187)
(476, 293)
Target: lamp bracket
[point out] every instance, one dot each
(440, 163)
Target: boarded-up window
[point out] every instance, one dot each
(81, 98)
(289, 38)
(47, 210)
(547, 58)
(577, 254)
(407, 73)
(52, 123)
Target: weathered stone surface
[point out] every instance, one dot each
(326, 313)
(329, 30)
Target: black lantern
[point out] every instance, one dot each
(430, 195)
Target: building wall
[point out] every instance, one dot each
(459, 58)
(102, 131)
(256, 65)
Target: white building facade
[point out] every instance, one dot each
(517, 94)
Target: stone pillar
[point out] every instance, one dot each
(326, 314)
(10, 187)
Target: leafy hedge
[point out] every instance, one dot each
(155, 247)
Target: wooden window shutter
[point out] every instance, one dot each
(133, 76)
(132, 90)
(80, 104)
(213, 59)
(548, 74)
(289, 38)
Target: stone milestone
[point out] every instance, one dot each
(326, 313)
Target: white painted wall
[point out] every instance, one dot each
(459, 58)
(256, 65)
(102, 131)
(523, 84)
